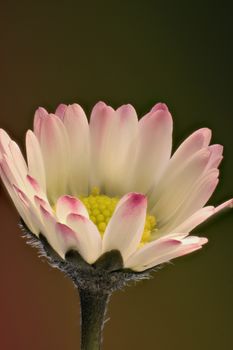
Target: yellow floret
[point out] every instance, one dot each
(101, 208)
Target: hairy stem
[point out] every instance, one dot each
(93, 309)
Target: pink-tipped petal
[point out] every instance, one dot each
(34, 187)
(89, 239)
(25, 210)
(143, 256)
(48, 218)
(42, 202)
(6, 180)
(186, 246)
(49, 230)
(11, 172)
(225, 205)
(68, 204)
(8, 185)
(66, 238)
(23, 197)
(35, 160)
(125, 228)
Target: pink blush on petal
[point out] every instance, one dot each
(159, 107)
(135, 203)
(33, 183)
(61, 110)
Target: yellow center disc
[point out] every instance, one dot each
(101, 207)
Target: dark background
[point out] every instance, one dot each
(139, 52)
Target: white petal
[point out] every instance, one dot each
(125, 228)
(215, 157)
(102, 123)
(18, 158)
(50, 231)
(194, 220)
(11, 172)
(152, 149)
(4, 141)
(18, 177)
(15, 170)
(77, 128)
(194, 143)
(68, 204)
(53, 140)
(26, 211)
(89, 242)
(13, 163)
(38, 118)
(124, 129)
(200, 216)
(195, 200)
(176, 191)
(18, 202)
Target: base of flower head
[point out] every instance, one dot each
(106, 275)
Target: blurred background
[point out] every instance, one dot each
(138, 52)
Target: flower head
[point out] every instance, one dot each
(112, 184)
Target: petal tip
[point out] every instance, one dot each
(203, 240)
(77, 217)
(125, 109)
(44, 212)
(60, 110)
(137, 199)
(33, 183)
(41, 112)
(230, 204)
(64, 229)
(159, 107)
(207, 132)
(100, 105)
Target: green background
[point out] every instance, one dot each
(139, 52)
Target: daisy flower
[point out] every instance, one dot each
(107, 200)
(112, 184)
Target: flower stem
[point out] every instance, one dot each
(93, 308)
